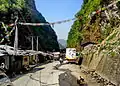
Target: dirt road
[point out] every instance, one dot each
(51, 74)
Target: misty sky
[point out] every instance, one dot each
(56, 10)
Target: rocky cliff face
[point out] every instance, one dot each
(104, 58)
(26, 12)
(93, 28)
(102, 29)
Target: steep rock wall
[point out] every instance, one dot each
(26, 12)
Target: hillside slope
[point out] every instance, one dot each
(26, 12)
(93, 28)
(103, 30)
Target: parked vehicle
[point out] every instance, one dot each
(72, 55)
(4, 80)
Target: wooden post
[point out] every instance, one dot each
(16, 37)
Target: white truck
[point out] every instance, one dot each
(72, 55)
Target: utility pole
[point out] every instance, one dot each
(37, 48)
(16, 37)
(37, 43)
(32, 43)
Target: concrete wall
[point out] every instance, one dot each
(107, 65)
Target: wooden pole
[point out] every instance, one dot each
(16, 37)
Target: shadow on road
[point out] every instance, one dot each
(36, 69)
(67, 79)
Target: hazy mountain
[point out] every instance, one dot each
(62, 42)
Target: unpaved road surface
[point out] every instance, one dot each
(54, 74)
(51, 74)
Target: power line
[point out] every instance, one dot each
(43, 24)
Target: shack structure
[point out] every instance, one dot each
(22, 59)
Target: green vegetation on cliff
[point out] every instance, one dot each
(10, 4)
(88, 28)
(76, 34)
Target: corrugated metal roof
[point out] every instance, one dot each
(5, 49)
(10, 50)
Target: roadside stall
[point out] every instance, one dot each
(33, 56)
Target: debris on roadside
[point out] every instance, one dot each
(98, 78)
